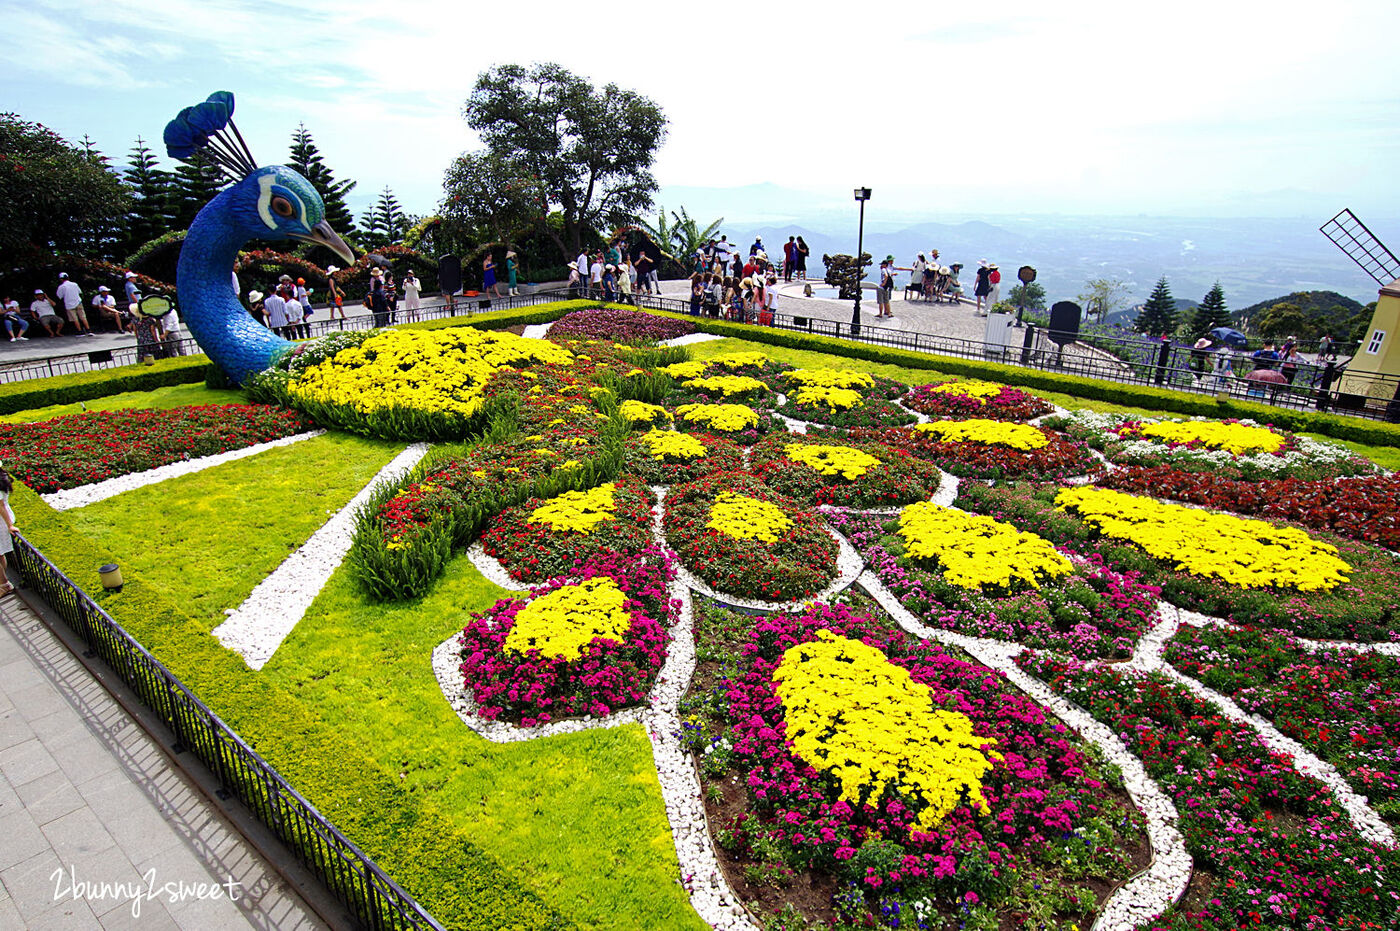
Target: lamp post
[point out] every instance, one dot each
(862, 195)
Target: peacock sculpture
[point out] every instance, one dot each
(272, 202)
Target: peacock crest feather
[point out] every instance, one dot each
(273, 202)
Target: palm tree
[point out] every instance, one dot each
(682, 237)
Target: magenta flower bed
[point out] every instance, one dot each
(532, 689)
(1046, 795)
(1095, 612)
(622, 326)
(1274, 848)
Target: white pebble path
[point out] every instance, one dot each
(68, 498)
(257, 627)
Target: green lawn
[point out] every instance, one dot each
(159, 399)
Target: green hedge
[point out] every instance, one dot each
(84, 386)
(503, 319)
(461, 885)
(1355, 429)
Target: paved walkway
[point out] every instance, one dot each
(87, 795)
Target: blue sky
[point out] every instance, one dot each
(1207, 109)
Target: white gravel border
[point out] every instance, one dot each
(68, 498)
(537, 330)
(256, 628)
(688, 339)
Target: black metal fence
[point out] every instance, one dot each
(375, 900)
(1126, 359)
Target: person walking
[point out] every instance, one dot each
(411, 289)
(7, 538)
(983, 286)
(337, 296)
(624, 283)
(302, 294)
(70, 297)
(512, 269)
(488, 276)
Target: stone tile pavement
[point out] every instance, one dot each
(87, 797)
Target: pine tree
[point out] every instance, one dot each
(1211, 313)
(196, 183)
(1158, 315)
(385, 222)
(152, 192)
(307, 160)
(107, 235)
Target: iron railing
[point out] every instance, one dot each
(1125, 359)
(375, 901)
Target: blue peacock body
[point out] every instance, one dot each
(273, 203)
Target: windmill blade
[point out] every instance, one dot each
(1362, 247)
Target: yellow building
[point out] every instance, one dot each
(1374, 370)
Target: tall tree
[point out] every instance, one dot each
(590, 150)
(197, 181)
(1158, 315)
(53, 196)
(1212, 312)
(152, 194)
(385, 222)
(307, 160)
(491, 197)
(1102, 296)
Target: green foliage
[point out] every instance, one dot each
(1211, 314)
(54, 197)
(153, 399)
(1285, 319)
(385, 223)
(589, 150)
(197, 182)
(1103, 297)
(307, 160)
(1033, 296)
(1330, 312)
(681, 238)
(1158, 315)
(152, 190)
(83, 386)
(491, 196)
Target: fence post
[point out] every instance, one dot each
(1162, 354)
(1324, 392)
(1027, 342)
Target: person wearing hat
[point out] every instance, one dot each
(255, 307)
(576, 281)
(757, 246)
(983, 287)
(41, 309)
(993, 279)
(104, 307)
(133, 294)
(512, 269)
(71, 297)
(885, 287)
(337, 296)
(609, 282)
(9, 312)
(378, 299)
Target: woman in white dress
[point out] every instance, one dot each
(411, 287)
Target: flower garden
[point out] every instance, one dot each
(726, 634)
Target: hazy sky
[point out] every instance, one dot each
(1221, 108)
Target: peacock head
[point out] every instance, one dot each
(276, 202)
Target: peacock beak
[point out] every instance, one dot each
(323, 235)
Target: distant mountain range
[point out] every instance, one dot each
(1253, 259)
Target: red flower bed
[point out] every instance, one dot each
(1062, 458)
(898, 479)
(721, 455)
(800, 562)
(533, 552)
(1362, 508)
(84, 448)
(1011, 404)
(532, 689)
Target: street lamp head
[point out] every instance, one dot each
(862, 193)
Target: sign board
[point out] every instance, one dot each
(1026, 274)
(154, 305)
(450, 274)
(1064, 322)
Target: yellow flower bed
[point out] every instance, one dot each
(577, 511)
(829, 378)
(737, 360)
(977, 390)
(1243, 552)
(726, 384)
(664, 443)
(1234, 438)
(986, 432)
(833, 460)
(683, 370)
(746, 518)
(564, 621)
(727, 418)
(852, 713)
(641, 412)
(834, 398)
(976, 552)
(438, 371)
